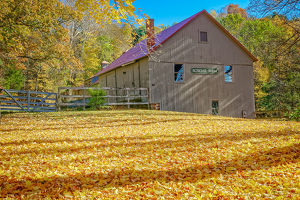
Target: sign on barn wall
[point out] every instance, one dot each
(204, 70)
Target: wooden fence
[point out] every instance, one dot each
(79, 96)
(28, 101)
(270, 114)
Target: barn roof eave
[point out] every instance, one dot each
(131, 62)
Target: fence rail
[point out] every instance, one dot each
(79, 96)
(28, 101)
(36, 101)
(270, 114)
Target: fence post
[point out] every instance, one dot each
(28, 100)
(56, 102)
(116, 99)
(107, 98)
(128, 99)
(58, 99)
(148, 96)
(83, 98)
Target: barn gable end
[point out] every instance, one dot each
(221, 47)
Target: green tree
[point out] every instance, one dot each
(233, 23)
(277, 83)
(14, 78)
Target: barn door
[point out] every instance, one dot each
(215, 107)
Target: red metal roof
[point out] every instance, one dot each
(140, 50)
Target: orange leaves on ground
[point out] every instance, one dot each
(147, 154)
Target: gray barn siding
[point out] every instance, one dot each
(109, 78)
(125, 80)
(184, 46)
(198, 91)
(136, 75)
(102, 82)
(144, 72)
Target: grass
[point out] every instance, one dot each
(137, 154)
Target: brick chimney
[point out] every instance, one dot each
(150, 33)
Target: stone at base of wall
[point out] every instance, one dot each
(155, 106)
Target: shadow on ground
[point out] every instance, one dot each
(112, 142)
(115, 178)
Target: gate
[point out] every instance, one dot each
(28, 101)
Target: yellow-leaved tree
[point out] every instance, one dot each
(36, 49)
(103, 33)
(104, 11)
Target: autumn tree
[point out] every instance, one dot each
(277, 71)
(284, 13)
(234, 9)
(33, 39)
(103, 33)
(106, 45)
(233, 23)
(37, 44)
(261, 8)
(94, 43)
(103, 11)
(230, 9)
(289, 12)
(140, 32)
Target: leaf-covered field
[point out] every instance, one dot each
(140, 154)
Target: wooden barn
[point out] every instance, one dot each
(194, 66)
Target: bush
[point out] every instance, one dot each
(294, 115)
(12, 78)
(97, 100)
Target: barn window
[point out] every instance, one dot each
(215, 107)
(203, 36)
(178, 73)
(228, 74)
(95, 79)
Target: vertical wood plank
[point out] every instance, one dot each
(59, 100)
(116, 84)
(128, 97)
(84, 98)
(28, 100)
(147, 93)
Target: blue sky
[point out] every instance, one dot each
(169, 11)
